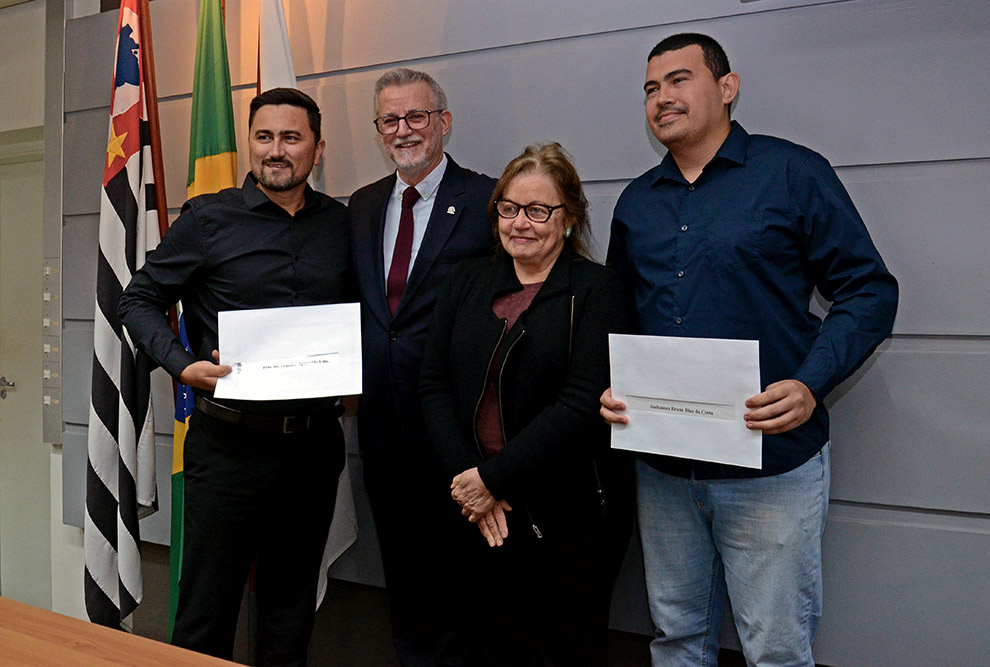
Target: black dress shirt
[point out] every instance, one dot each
(737, 254)
(236, 250)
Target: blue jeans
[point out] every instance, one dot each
(759, 541)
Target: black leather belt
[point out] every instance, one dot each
(278, 424)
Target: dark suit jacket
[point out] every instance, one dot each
(391, 430)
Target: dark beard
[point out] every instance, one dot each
(278, 185)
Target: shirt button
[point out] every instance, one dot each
(691, 188)
(683, 228)
(680, 274)
(677, 320)
(393, 335)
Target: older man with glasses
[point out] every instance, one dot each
(408, 230)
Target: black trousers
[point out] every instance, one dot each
(425, 563)
(254, 493)
(544, 602)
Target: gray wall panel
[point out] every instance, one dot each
(859, 82)
(85, 149)
(904, 589)
(910, 428)
(620, 147)
(89, 60)
(930, 222)
(81, 240)
(803, 55)
(74, 475)
(174, 118)
(77, 371)
(601, 204)
(333, 36)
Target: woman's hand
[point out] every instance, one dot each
(493, 525)
(471, 494)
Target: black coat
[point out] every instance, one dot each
(391, 430)
(554, 368)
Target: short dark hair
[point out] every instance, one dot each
(715, 57)
(292, 97)
(551, 160)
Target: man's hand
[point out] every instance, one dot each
(784, 406)
(204, 374)
(493, 525)
(471, 493)
(611, 408)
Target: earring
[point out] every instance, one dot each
(567, 232)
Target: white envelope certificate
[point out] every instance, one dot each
(685, 397)
(289, 353)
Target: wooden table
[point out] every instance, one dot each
(42, 638)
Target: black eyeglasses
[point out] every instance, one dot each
(508, 209)
(416, 119)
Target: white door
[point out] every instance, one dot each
(25, 498)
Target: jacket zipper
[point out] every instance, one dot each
(477, 406)
(598, 481)
(570, 338)
(501, 417)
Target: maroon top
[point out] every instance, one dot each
(489, 424)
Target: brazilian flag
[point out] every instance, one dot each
(212, 148)
(212, 167)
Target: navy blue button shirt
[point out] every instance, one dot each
(737, 254)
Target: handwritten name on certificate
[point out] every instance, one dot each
(289, 353)
(685, 397)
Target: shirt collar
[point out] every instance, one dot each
(733, 149)
(427, 187)
(735, 145)
(254, 197)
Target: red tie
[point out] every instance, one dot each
(397, 273)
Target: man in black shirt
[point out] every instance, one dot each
(260, 477)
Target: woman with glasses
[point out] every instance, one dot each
(516, 360)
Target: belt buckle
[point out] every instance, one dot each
(295, 424)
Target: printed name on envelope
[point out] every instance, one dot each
(670, 406)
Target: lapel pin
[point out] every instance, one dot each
(451, 210)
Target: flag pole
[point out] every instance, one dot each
(148, 64)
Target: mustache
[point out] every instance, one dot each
(270, 161)
(664, 109)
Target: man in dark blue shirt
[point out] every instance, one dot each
(727, 238)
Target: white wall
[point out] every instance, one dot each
(22, 66)
(67, 552)
(22, 101)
